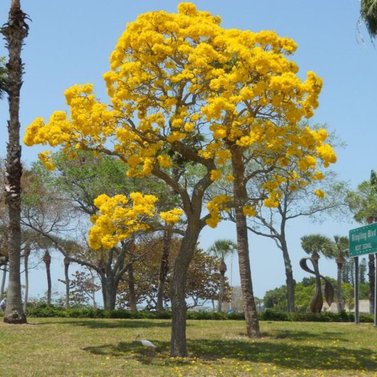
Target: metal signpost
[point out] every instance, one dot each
(363, 241)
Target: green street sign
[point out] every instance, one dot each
(363, 240)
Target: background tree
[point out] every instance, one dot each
(363, 204)
(47, 262)
(363, 271)
(82, 289)
(340, 252)
(276, 298)
(71, 190)
(296, 201)
(368, 12)
(314, 245)
(203, 281)
(14, 32)
(221, 249)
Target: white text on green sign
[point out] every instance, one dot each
(363, 240)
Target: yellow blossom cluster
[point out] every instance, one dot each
(218, 204)
(172, 216)
(119, 218)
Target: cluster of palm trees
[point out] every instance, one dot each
(336, 248)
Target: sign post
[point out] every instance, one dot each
(362, 241)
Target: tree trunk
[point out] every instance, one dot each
(66, 278)
(317, 301)
(289, 278)
(240, 197)
(109, 291)
(14, 33)
(47, 261)
(178, 346)
(93, 292)
(131, 288)
(26, 258)
(371, 275)
(339, 295)
(222, 285)
(164, 268)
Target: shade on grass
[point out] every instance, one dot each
(107, 347)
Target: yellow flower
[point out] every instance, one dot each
(319, 193)
(172, 216)
(215, 175)
(249, 211)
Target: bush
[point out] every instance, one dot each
(44, 310)
(273, 315)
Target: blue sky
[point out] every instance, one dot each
(70, 42)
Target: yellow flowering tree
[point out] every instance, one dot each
(186, 93)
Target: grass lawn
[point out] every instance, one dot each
(106, 347)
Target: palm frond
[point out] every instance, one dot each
(368, 12)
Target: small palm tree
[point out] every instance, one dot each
(340, 254)
(222, 248)
(314, 245)
(336, 249)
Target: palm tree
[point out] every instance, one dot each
(14, 32)
(222, 248)
(67, 262)
(47, 261)
(314, 245)
(368, 12)
(340, 253)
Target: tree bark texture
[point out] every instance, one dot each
(240, 196)
(164, 268)
(109, 290)
(178, 345)
(14, 32)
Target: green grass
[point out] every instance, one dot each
(106, 347)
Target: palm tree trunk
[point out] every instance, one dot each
(339, 295)
(26, 258)
(15, 31)
(240, 196)
(66, 279)
(164, 268)
(47, 261)
(222, 285)
(317, 301)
